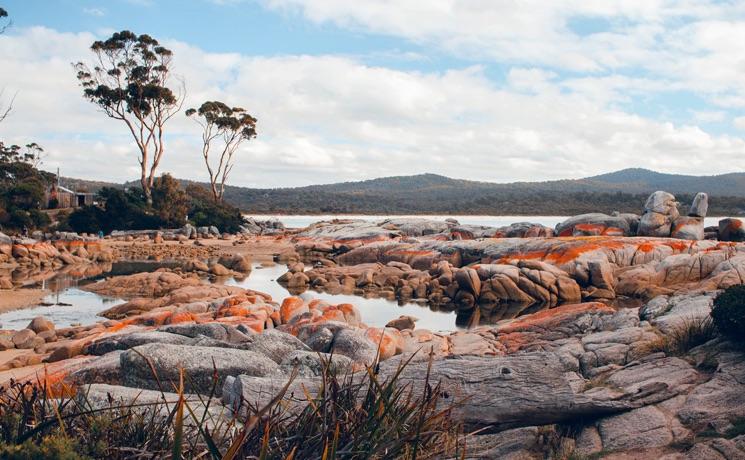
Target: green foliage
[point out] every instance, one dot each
(728, 313)
(54, 447)
(22, 188)
(4, 15)
(128, 210)
(87, 219)
(170, 202)
(138, 66)
(432, 194)
(203, 210)
(122, 211)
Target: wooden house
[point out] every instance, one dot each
(66, 198)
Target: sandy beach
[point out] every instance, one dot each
(20, 298)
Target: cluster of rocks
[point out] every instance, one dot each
(186, 233)
(599, 370)
(27, 255)
(234, 265)
(39, 332)
(262, 227)
(514, 287)
(509, 277)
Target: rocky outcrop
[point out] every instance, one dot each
(595, 224)
(516, 285)
(691, 227)
(23, 257)
(731, 230)
(602, 267)
(149, 366)
(660, 211)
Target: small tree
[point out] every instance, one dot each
(129, 82)
(169, 201)
(229, 126)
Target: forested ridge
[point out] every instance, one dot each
(623, 191)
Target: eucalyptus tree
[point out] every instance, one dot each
(225, 128)
(129, 81)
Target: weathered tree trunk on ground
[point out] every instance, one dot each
(524, 390)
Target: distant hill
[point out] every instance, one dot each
(623, 191)
(732, 184)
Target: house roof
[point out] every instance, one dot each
(67, 190)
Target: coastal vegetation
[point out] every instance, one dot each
(729, 313)
(433, 194)
(172, 207)
(22, 187)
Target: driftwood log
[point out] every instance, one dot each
(523, 390)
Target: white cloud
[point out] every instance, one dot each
(709, 116)
(695, 45)
(328, 118)
(94, 11)
(739, 123)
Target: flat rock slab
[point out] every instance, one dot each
(198, 363)
(134, 339)
(275, 345)
(670, 373)
(645, 427)
(100, 396)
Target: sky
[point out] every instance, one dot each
(489, 90)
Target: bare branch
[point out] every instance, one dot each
(7, 108)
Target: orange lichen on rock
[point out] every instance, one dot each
(291, 307)
(389, 340)
(517, 334)
(180, 317)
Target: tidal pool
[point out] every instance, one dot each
(374, 311)
(65, 308)
(67, 304)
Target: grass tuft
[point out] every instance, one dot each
(352, 417)
(692, 333)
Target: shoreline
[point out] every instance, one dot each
(18, 299)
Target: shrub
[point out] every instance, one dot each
(170, 202)
(204, 211)
(86, 219)
(39, 219)
(728, 313)
(20, 219)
